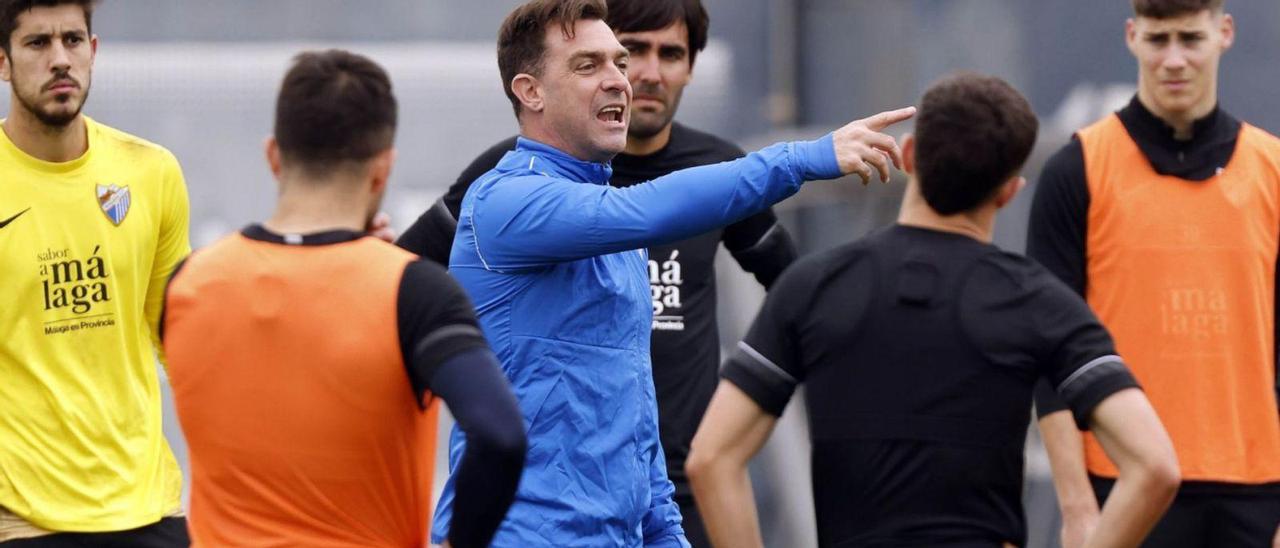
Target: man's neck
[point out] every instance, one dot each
(541, 134)
(978, 224)
(305, 208)
(1182, 122)
(644, 147)
(45, 142)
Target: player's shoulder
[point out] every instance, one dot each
(426, 278)
(815, 269)
(1261, 136)
(1001, 276)
(713, 147)
(134, 147)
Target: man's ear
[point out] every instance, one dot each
(1131, 35)
(528, 90)
(1228, 29)
(1009, 190)
(380, 170)
(909, 153)
(6, 69)
(272, 150)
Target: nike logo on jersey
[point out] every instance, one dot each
(6, 222)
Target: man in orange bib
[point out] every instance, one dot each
(306, 357)
(1165, 216)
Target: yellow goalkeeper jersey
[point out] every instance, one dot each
(86, 248)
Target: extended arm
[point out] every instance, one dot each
(534, 221)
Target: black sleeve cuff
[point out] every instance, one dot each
(1048, 401)
(766, 387)
(1089, 385)
(437, 348)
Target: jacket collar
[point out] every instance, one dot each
(1212, 143)
(553, 162)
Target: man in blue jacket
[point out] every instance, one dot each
(552, 257)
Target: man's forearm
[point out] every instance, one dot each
(723, 493)
(1134, 439)
(1065, 446)
(1135, 504)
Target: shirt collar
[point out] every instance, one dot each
(328, 237)
(553, 162)
(1212, 143)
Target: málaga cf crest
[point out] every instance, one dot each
(114, 202)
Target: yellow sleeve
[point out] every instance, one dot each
(172, 246)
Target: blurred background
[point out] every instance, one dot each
(200, 78)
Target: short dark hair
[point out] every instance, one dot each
(647, 15)
(10, 10)
(1165, 9)
(334, 107)
(973, 132)
(522, 39)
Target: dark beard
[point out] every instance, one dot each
(647, 131)
(52, 120)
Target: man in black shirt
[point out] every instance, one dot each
(920, 346)
(663, 38)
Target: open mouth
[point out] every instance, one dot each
(611, 113)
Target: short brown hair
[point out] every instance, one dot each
(10, 10)
(522, 40)
(334, 107)
(1165, 9)
(647, 15)
(973, 132)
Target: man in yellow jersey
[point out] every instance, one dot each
(1165, 216)
(92, 222)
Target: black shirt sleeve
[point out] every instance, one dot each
(1057, 231)
(1057, 234)
(446, 353)
(436, 322)
(483, 163)
(431, 236)
(487, 475)
(761, 245)
(1079, 360)
(766, 365)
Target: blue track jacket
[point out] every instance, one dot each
(554, 260)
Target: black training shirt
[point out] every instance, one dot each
(919, 351)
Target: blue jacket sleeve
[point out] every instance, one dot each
(535, 221)
(661, 525)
